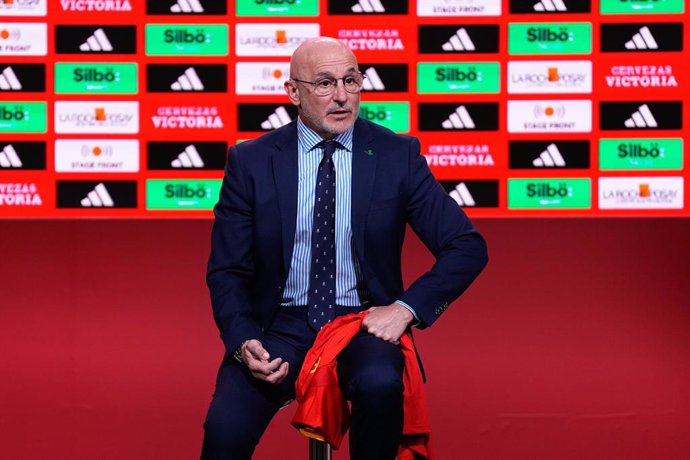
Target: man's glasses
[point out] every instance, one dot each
(326, 86)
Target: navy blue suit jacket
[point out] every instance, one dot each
(392, 186)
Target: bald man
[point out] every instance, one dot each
(309, 226)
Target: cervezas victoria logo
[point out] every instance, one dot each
(641, 76)
(372, 39)
(187, 117)
(463, 155)
(114, 6)
(19, 194)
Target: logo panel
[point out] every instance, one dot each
(206, 78)
(23, 7)
(104, 117)
(450, 160)
(471, 116)
(181, 7)
(96, 6)
(187, 39)
(641, 115)
(550, 38)
(640, 154)
(277, 39)
(550, 6)
(277, 8)
(187, 155)
(96, 194)
(95, 39)
(641, 6)
(460, 38)
(548, 154)
(367, 7)
(23, 39)
(641, 193)
(548, 77)
(96, 78)
(372, 39)
(261, 78)
(458, 77)
(21, 195)
(473, 193)
(393, 115)
(264, 117)
(644, 76)
(23, 117)
(193, 194)
(25, 78)
(459, 8)
(188, 117)
(97, 155)
(384, 78)
(22, 155)
(642, 37)
(550, 116)
(556, 193)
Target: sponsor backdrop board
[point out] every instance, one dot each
(559, 108)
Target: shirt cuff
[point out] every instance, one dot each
(416, 318)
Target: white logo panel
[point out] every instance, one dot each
(550, 116)
(96, 117)
(641, 193)
(272, 39)
(458, 7)
(23, 7)
(259, 78)
(23, 39)
(96, 155)
(547, 77)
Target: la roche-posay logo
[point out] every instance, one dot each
(641, 193)
(278, 39)
(548, 77)
(96, 117)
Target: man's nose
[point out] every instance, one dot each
(340, 95)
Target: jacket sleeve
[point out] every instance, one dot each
(444, 228)
(231, 265)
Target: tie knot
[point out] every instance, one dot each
(329, 147)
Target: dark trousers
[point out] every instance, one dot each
(370, 376)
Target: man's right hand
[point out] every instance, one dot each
(256, 358)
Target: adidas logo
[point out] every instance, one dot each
(97, 42)
(643, 118)
(189, 158)
(460, 119)
(98, 198)
(187, 6)
(550, 5)
(188, 81)
(373, 81)
(643, 40)
(277, 119)
(461, 41)
(9, 158)
(9, 80)
(462, 195)
(368, 6)
(549, 158)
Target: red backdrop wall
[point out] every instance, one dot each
(573, 344)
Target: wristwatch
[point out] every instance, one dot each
(237, 354)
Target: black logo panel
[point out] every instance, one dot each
(187, 155)
(384, 78)
(473, 193)
(550, 6)
(95, 39)
(23, 78)
(206, 78)
(467, 116)
(641, 115)
(549, 154)
(22, 155)
(264, 117)
(97, 194)
(642, 37)
(360, 7)
(178, 7)
(458, 38)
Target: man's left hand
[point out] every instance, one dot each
(388, 322)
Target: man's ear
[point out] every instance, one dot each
(292, 92)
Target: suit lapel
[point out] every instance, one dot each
(285, 172)
(363, 173)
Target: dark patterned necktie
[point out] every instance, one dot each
(322, 285)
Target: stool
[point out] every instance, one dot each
(319, 450)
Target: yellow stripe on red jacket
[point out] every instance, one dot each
(323, 413)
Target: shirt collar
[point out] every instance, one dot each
(310, 139)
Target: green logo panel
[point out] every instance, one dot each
(458, 77)
(641, 6)
(563, 193)
(277, 8)
(187, 39)
(550, 38)
(640, 154)
(393, 115)
(23, 117)
(182, 194)
(95, 77)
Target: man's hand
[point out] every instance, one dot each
(257, 358)
(387, 323)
